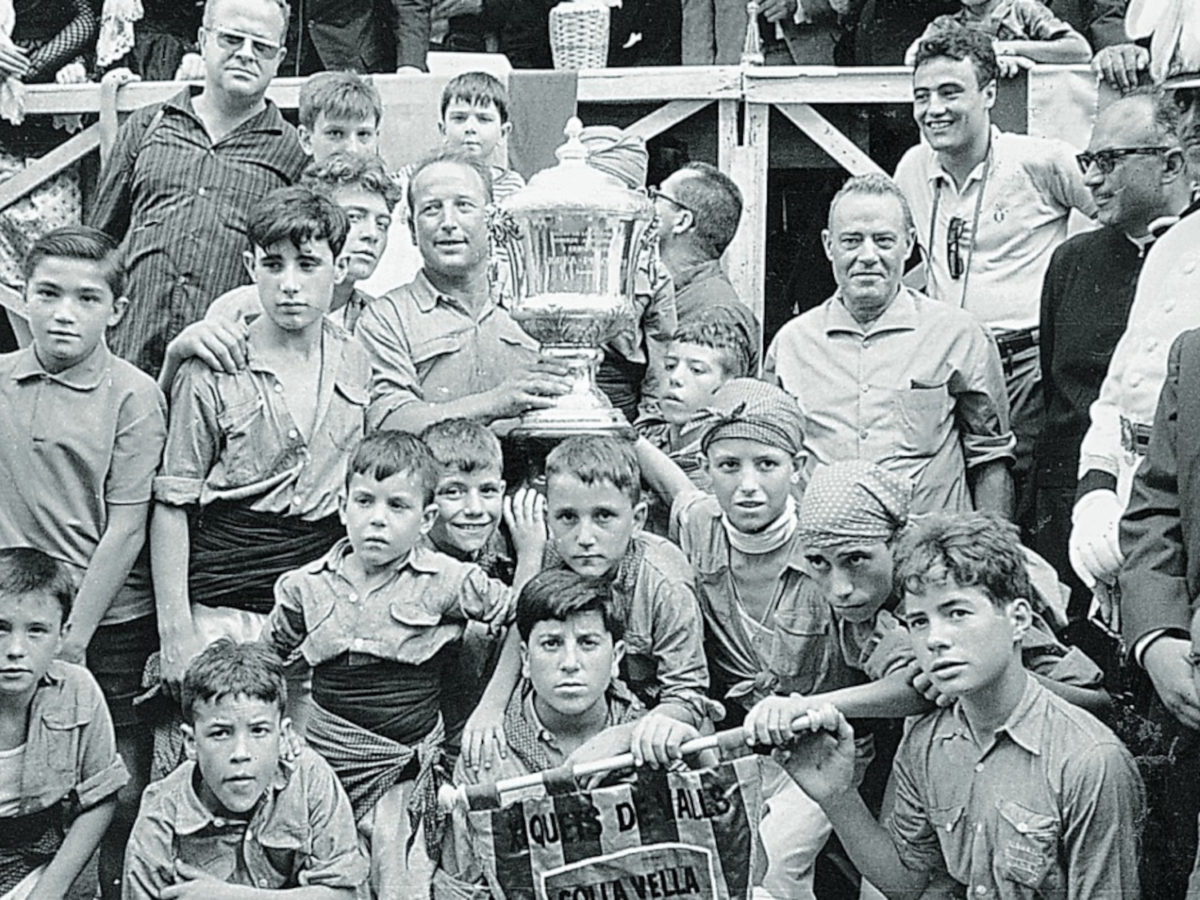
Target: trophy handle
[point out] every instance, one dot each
(752, 54)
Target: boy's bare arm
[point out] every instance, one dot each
(78, 845)
(115, 554)
(1095, 700)
(660, 471)
(483, 735)
(194, 884)
(1069, 48)
(170, 552)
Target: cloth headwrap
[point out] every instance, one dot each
(613, 152)
(754, 410)
(853, 503)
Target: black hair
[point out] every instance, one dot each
(226, 668)
(82, 243)
(24, 570)
(383, 454)
(558, 593)
(297, 214)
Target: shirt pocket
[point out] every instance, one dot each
(250, 448)
(54, 774)
(284, 851)
(433, 353)
(348, 416)
(1026, 844)
(799, 649)
(921, 410)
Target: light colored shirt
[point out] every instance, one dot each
(426, 346)
(1048, 806)
(12, 763)
(920, 391)
(72, 445)
(1014, 20)
(300, 833)
(1029, 186)
(1165, 304)
(232, 437)
(408, 618)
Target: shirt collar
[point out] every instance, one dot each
(699, 271)
(421, 558)
(427, 297)
(900, 315)
(85, 375)
(938, 175)
(192, 816)
(268, 120)
(1024, 723)
(333, 338)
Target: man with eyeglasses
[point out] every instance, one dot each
(698, 209)
(990, 208)
(1134, 168)
(886, 375)
(183, 174)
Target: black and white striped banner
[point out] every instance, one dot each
(692, 834)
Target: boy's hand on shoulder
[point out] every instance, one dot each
(525, 516)
(656, 740)
(770, 721)
(218, 344)
(923, 685)
(821, 761)
(483, 740)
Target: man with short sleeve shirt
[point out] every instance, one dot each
(990, 208)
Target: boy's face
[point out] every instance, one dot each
(475, 129)
(469, 508)
(950, 107)
(857, 580)
(694, 372)
(295, 284)
(961, 640)
(329, 135)
(234, 740)
(385, 519)
(368, 236)
(449, 220)
(31, 632)
(69, 305)
(752, 481)
(571, 664)
(591, 524)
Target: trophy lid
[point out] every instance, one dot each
(575, 185)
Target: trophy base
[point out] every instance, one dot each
(560, 424)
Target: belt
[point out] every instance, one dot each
(1135, 438)
(1010, 343)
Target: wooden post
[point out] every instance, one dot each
(744, 158)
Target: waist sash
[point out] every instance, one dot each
(237, 554)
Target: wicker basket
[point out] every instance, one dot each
(579, 35)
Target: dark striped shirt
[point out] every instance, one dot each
(180, 203)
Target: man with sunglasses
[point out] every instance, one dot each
(1134, 168)
(698, 209)
(183, 174)
(990, 209)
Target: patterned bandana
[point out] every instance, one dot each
(754, 410)
(852, 503)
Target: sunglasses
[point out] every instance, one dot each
(656, 194)
(1106, 160)
(232, 41)
(954, 242)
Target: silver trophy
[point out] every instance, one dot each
(573, 259)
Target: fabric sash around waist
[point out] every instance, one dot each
(398, 701)
(237, 554)
(27, 842)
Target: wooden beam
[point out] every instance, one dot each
(664, 117)
(824, 135)
(659, 83)
(745, 160)
(48, 166)
(827, 84)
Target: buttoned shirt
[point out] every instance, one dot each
(232, 437)
(74, 444)
(408, 618)
(180, 204)
(1029, 186)
(300, 833)
(426, 346)
(1165, 304)
(1047, 806)
(919, 391)
(703, 293)
(792, 648)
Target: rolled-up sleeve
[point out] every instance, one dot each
(677, 636)
(101, 773)
(394, 381)
(285, 628)
(193, 437)
(981, 403)
(479, 596)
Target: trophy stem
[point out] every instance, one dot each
(752, 54)
(584, 409)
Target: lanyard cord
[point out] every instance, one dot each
(937, 198)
